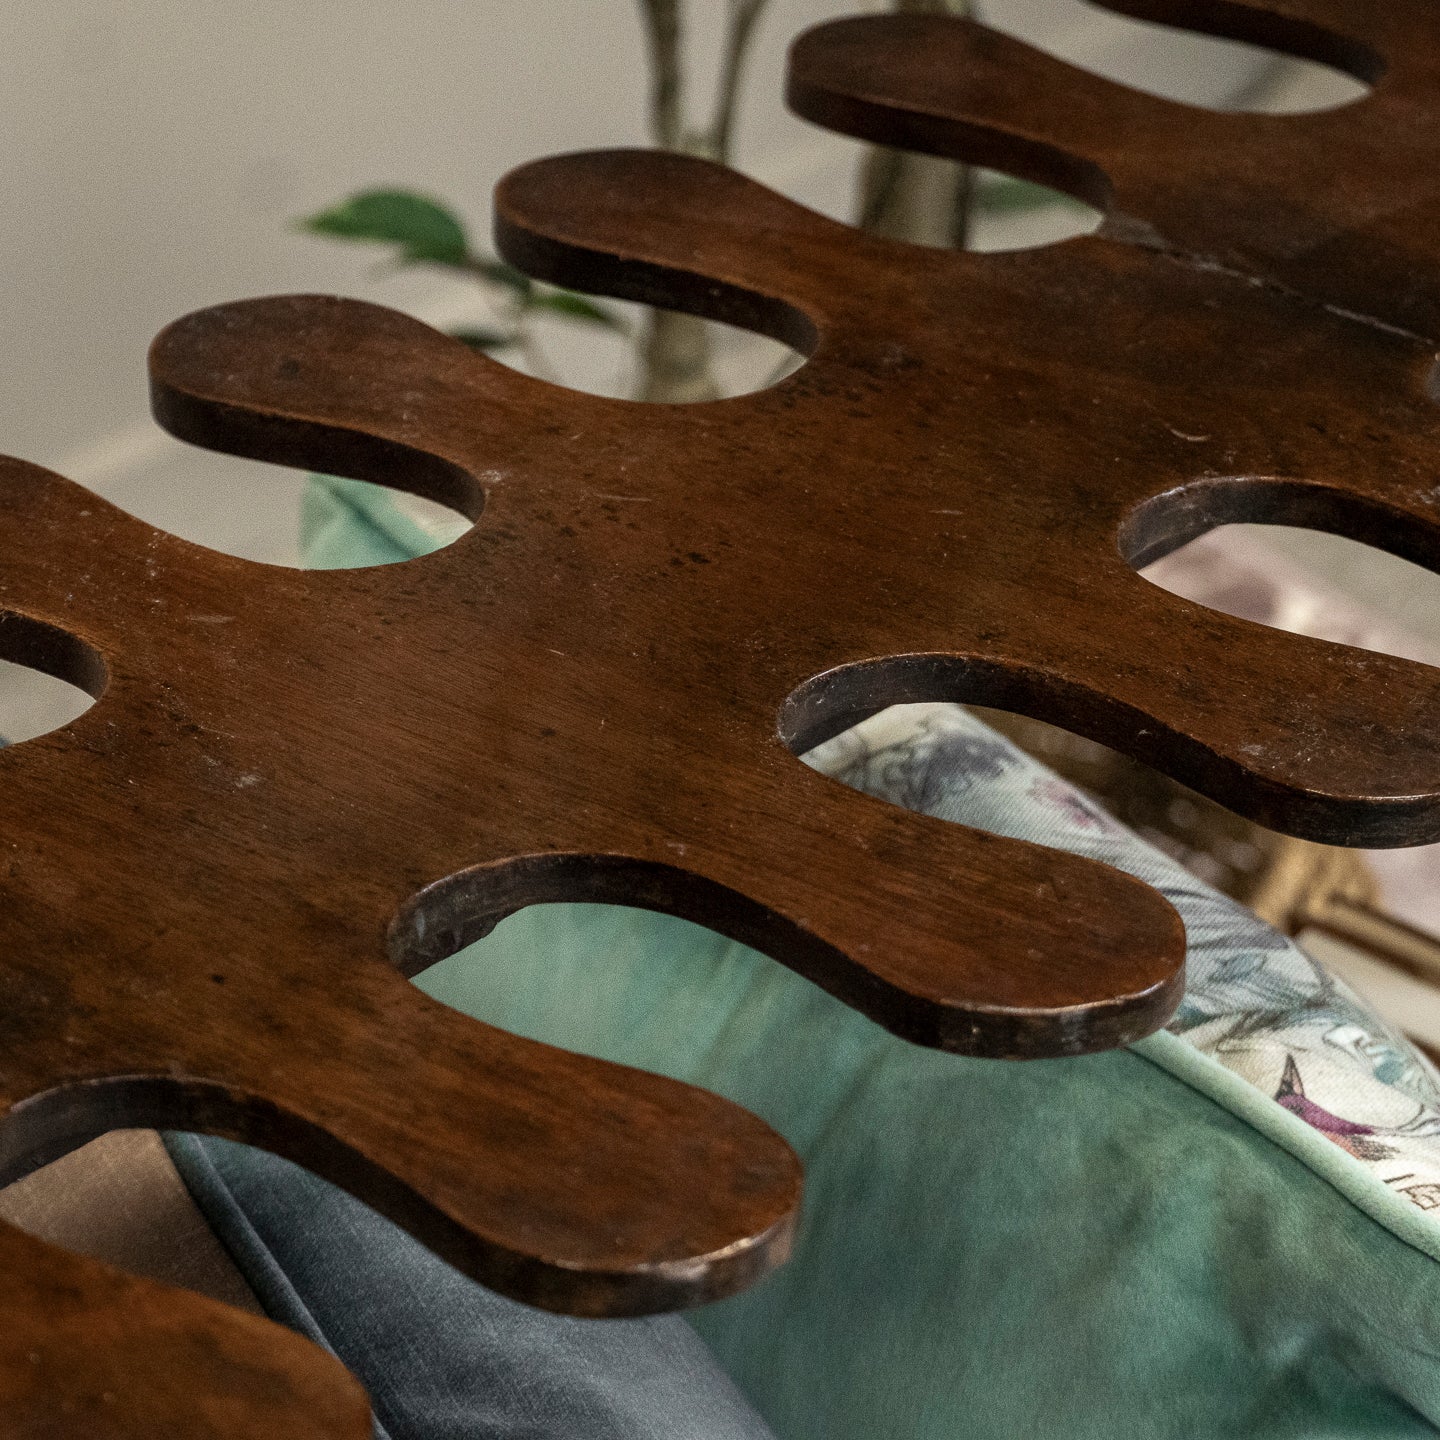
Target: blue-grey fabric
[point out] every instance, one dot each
(441, 1357)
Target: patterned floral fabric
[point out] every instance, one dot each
(1254, 1002)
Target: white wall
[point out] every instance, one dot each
(155, 152)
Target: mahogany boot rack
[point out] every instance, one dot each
(297, 788)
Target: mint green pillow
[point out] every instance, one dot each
(1224, 1231)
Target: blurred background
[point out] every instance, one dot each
(159, 155)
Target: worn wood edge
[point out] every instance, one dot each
(51, 1123)
(451, 913)
(534, 193)
(830, 703)
(215, 422)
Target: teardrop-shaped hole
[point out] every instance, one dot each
(273, 514)
(1309, 69)
(1309, 582)
(48, 678)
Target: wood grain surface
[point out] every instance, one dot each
(297, 788)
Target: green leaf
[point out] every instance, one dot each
(480, 339)
(577, 307)
(422, 228)
(1004, 195)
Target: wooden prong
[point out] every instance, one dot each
(122, 1358)
(949, 86)
(563, 1181)
(1322, 741)
(337, 385)
(675, 232)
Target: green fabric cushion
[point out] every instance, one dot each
(1136, 1244)
(1079, 1247)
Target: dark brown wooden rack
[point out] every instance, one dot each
(298, 788)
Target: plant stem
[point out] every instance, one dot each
(675, 353)
(920, 198)
(662, 33)
(744, 17)
(676, 359)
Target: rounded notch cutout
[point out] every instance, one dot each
(941, 204)
(1164, 522)
(357, 524)
(934, 985)
(1014, 214)
(451, 914)
(48, 678)
(1210, 54)
(322, 384)
(827, 704)
(288, 518)
(1296, 557)
(824, 707)
(653, 356)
